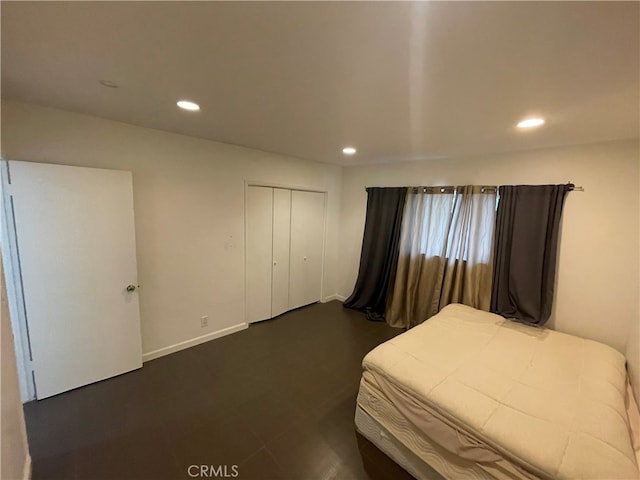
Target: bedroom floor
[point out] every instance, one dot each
(277, 400)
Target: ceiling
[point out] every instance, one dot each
(398, 81)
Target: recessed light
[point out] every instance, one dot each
(531, 122)
(108, 83)
(187, 105)
(348, 150)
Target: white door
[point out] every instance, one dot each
(258, 253)
(281, 236)
(76, 247)
(307, 247)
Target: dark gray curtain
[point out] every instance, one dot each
(526, 249)
(379, 256)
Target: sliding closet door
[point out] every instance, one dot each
(284, 250)
(258, 251)
(281, 237)
(307, 246)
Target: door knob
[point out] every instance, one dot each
(131, 288)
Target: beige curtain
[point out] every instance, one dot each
(445, 253)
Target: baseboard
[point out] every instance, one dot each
(161, 352)
(330, 298)
(26, 470)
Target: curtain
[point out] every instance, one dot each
(445, 253)
(526, 248)
(467, 277)
(378, 259)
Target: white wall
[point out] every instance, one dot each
(597, 288)
(14, 455)
(189, 207)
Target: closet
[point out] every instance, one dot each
(283, 250)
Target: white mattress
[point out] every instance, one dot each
(396, 450)
(381, 422)
(550, 404)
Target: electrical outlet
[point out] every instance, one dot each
(204, 321)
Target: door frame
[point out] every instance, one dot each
(15, 293)
(250, 183)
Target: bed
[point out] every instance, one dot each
(469, 394)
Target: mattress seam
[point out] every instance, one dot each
(454, 423)
(368, 386)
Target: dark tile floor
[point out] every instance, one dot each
(277, 400)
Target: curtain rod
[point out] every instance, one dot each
(445, 188)
(451, 189)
